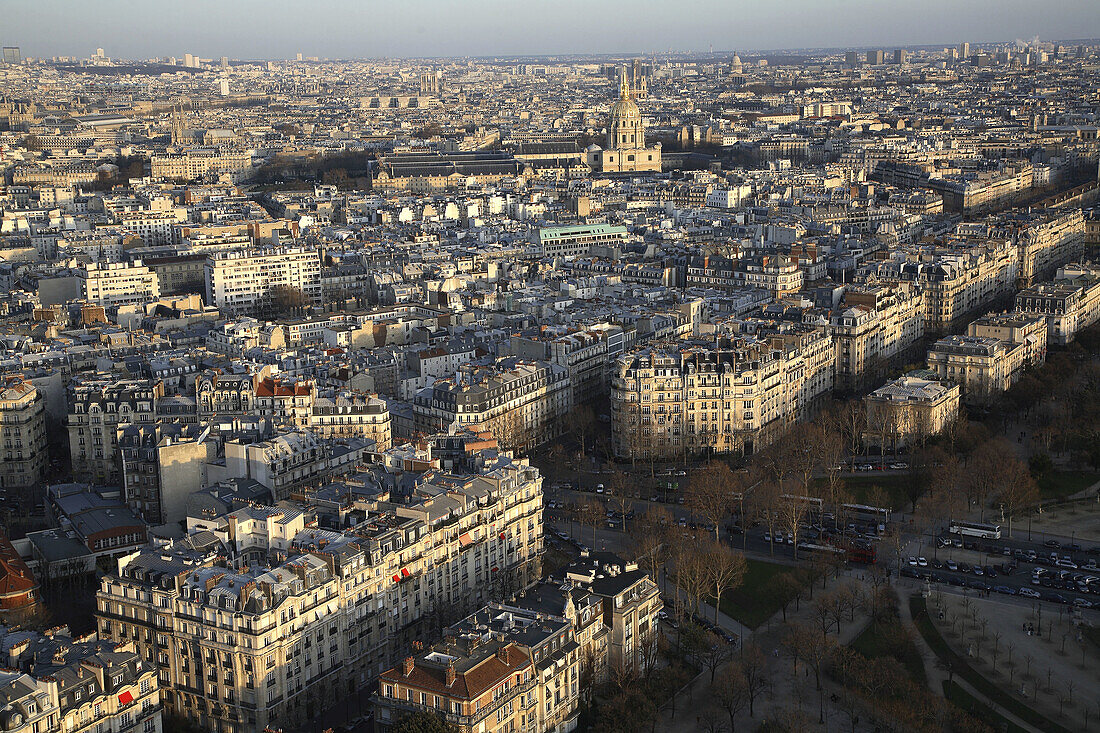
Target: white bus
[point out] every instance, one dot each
(975, 529)
(865, 513)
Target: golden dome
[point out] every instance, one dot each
(625, 109)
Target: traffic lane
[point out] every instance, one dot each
(1010, 584)
(1043, 551)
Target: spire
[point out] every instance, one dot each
(624, 86)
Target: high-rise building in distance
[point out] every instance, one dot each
(875, 58)
(12, 55)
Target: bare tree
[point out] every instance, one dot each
(765, 507)
(725, 570)
(581, 420)
(1018, 490)
(648, 536)
(792, 513)
(590, 513)
(755, 671)
(711, 492)
(731, 692)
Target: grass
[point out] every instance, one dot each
(754, 601)
(888, 638)
(892, 485)
(961, 667)
(962, 699)
(1060, 484)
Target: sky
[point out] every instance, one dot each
(277, 29)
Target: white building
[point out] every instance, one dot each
(118, 283)
(250, 281)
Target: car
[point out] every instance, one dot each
(899, 466)
(1028, 593)
(990, 571)
(599, 488)
(681, 473)
(964, 567)
(1072, 547)
(923, 562)
(978, 570)
(910, 573)
(1066, 563)
(912, 561)
(952, 565)
(1053, 544)
(934, 562)
(1055, 598)
(1005, 589)
(956, 580)
(1083, 603)
(654, 498)
(767, 536)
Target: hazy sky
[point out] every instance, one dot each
(369, 28)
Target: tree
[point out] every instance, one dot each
(714, 653)
(710, 494)
(1018, 490)
(754, 669)
(812, 649)
(850, 420)
(765, 499)
(648, 537)
(792, 514)
(424, 722)
(983, 475)
(582, 421)
(731, 692)
(591, 513)
(725, 570)
(692, 572)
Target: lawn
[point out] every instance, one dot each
(1060, 484)
(893, 485)
(888, 638)
(755, 600)
(955, 694)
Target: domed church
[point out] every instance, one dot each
(625, 151)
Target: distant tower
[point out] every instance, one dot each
(225, 62)
(299, 57)
(964, 50)
(13, 55)
(430, 84)
(178, 131)
(223, 87)
(99, 53)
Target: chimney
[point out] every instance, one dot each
(407, 666)
(450, 674)
(502, 653)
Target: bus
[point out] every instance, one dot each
(975, 529)
(864, 513)
(812, 504)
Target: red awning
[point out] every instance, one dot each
(397, 578)
(502, 535)
(125, 698)
(405, 572)
(495, 569)
(464, 539)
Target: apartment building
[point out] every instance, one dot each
(690, 397)
(520, 402)
(909, 409)
(54, 682)
(876, 323)
(291, 459)
(154, 227)
(252, 282)
(161, 464)
(118, 283)
(1044, 240)
(584, 353)
(98, 406)
(347, 414)
(982, 366)
(959, 278)
(1068, 304)
(630, 601)
(1015, 328)
(23, 434)
(242, 643)
(473, 684)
